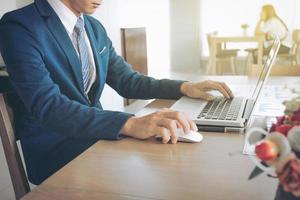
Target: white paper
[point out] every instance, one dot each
(270, 100)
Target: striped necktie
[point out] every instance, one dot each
(83, 53)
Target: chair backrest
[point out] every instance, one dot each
(14, 162)
(219, 46)
(134, 48)
(296, 42)
(134, 51)
(296, 35)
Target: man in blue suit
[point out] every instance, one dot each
(59, 59)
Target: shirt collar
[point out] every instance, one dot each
(66, 16)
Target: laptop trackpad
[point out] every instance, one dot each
(193, 107)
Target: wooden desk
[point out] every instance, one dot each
(133, 169)
(212, 62)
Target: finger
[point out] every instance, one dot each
(181, 118)
(178, 125)
(228, 90)
(191, 122)
(171, 126)
(164, 133)
(219, 88)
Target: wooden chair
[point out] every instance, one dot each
(224, 54)
(134, 51)
(293, 55)
(7, 133)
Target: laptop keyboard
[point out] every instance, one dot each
(222, 109)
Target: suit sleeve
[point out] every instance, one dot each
(42, 97)
(134, 85)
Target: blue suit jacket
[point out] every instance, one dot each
(45, 71)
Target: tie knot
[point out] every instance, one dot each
(79, 26)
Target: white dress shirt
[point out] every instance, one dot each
(69, 19)
(274, 28)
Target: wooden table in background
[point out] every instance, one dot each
(131, 169)
(212, 62)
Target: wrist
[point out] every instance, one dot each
(184, 88)
(127, 127)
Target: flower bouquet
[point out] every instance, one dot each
(277, 151)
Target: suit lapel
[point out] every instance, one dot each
(61, 36)
(63, 39)
(98, 61)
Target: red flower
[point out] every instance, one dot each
(285, 123)
(296, 117)
(297, 112)
(284, 129)
(280, 121)
(289, 175)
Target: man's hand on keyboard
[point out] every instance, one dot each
(200, 90)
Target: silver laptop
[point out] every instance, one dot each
(227, 115)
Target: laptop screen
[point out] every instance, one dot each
(265, 71)
(264, 74)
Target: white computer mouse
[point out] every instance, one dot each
(192, 136)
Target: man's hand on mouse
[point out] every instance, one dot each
(164, 123)
(200, 90)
